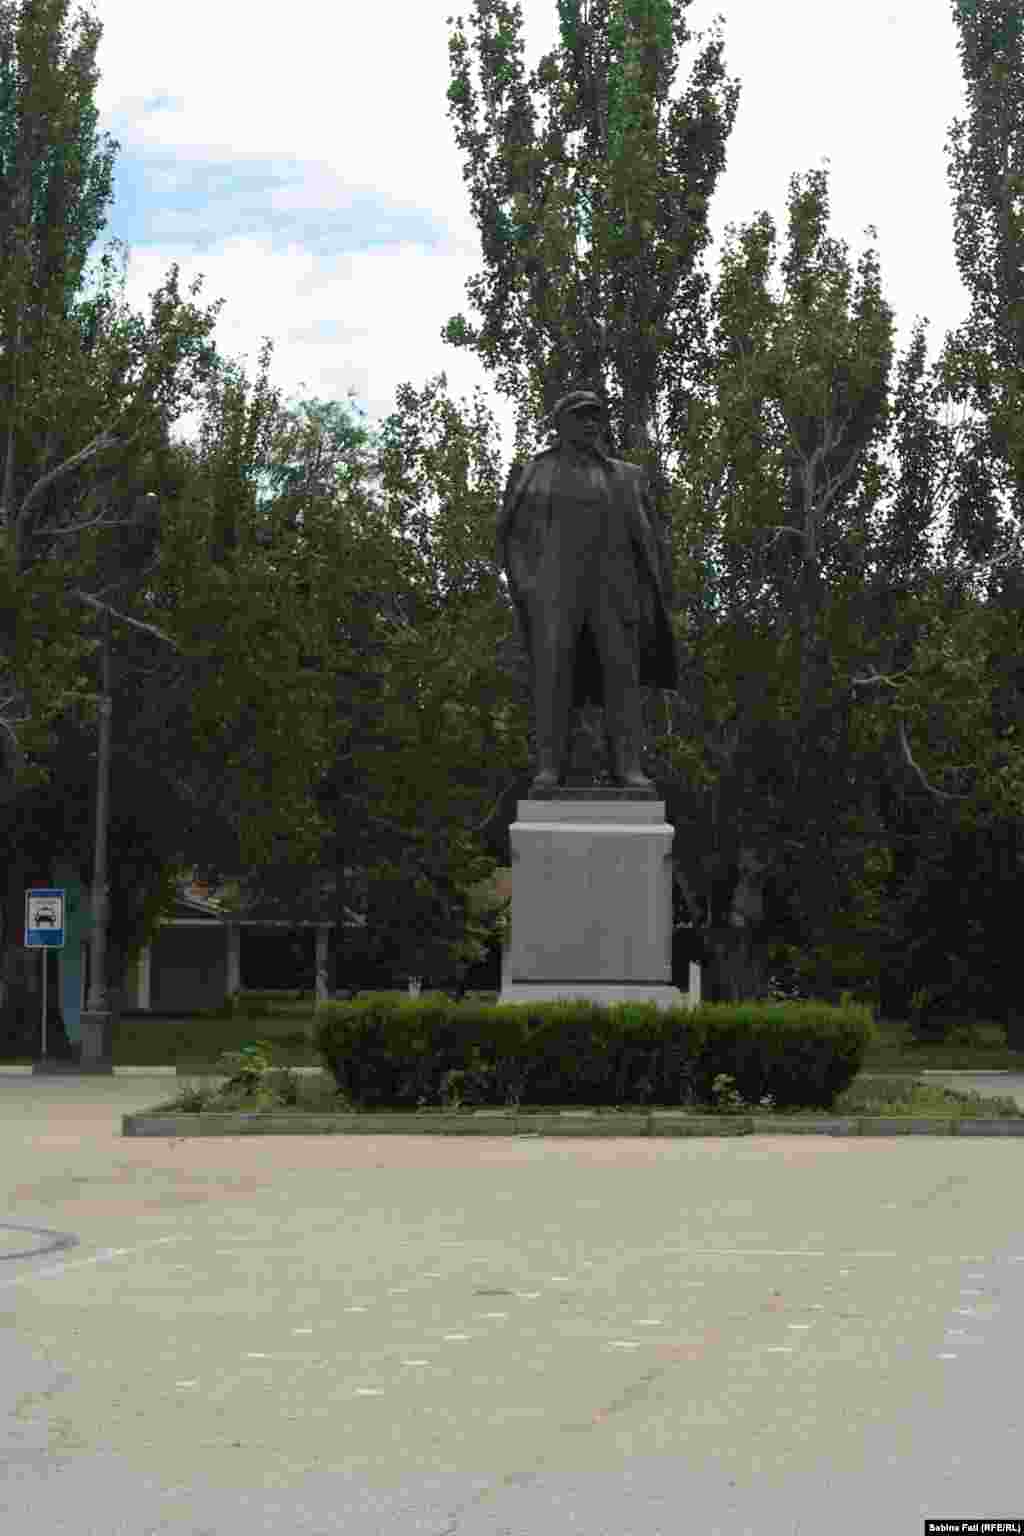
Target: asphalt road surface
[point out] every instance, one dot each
(405, 1336)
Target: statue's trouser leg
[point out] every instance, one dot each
(554, 633)
(617, 646)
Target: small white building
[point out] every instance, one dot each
(193, 961)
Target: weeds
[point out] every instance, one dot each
(252, 1080)
(727, 1101)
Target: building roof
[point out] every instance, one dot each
(199, 911)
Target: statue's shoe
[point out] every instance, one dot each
(546, 779)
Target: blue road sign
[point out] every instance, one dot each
(44, 918)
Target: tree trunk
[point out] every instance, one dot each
(739, 958)
(16, 1025)
(738, 965)
(1014, 1022)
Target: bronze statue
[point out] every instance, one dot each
(575, 538)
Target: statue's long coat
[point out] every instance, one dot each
(527, 504)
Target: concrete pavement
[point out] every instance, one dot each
(456, 1337)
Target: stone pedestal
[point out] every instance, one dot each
(97, 1053)
(591, 913)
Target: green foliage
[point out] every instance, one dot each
(342, 673)
(137, 930)
(550, 315)
(894, 1096)
(254, 1080)
(866, 1097)
(258, 616)
(101, 410)
(818, 623)
(311, 555)
(727, 1101)
(55, 184)
(69, 188)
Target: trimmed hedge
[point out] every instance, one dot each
(388, 1049)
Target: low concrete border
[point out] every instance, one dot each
(203, 1071)
(502, 1122)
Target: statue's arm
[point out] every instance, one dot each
(661, 549)
(645, 527)
(506, 512)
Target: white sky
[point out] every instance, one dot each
(304, 162)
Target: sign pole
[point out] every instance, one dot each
(44, 930)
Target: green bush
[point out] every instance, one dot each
(252, 1074)
(388, 1049)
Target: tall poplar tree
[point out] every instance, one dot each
(980, 368)
(615, 165)
(983, 360)
(55, 185)
(86, 392)
(790, 536)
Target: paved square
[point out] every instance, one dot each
(470, 1336)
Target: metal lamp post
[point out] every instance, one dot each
(97, 1053)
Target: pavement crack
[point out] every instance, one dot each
(632, 1394)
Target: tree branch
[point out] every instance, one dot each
(781, 528)
(381, 821)
(125, 522)
(941, 793)
(416, 837)
(53, 533)
(16, 755)
(98, 445)
(493, 810)
(149, 629)
(876, 677)
(688, 894)
(18, 720)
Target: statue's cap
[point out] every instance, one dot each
(577, 400)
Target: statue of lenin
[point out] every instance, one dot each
(575, 538)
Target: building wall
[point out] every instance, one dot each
(188, 968)
(188, 965)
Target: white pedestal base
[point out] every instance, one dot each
(591, 903)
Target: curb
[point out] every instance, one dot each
(27, 1069)
(501, 1122)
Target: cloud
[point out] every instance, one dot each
(304, 161)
